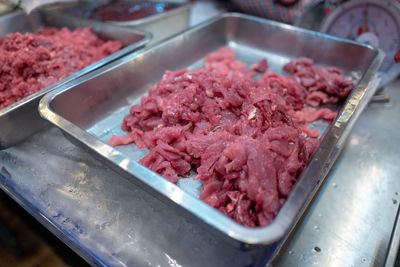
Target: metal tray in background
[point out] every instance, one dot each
(114, 89)
(22, 119)
(161, 25)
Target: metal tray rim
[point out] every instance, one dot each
(250, 236)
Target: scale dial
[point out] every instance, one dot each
(373, 22)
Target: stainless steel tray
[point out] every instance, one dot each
(161, 25)
(115, 88)
(21, 119)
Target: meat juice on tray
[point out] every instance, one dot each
(248, 140)
(129, 10)
(32, 61)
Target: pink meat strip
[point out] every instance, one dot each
(397, 57)
(260, 66)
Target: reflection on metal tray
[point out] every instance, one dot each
(21, 119)
(393, 255)
(114, 88)
(173, 18)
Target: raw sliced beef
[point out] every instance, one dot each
(248, 140)
(32, 61)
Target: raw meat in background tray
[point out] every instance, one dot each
(32, 61)
(248, 140)
(397, 57)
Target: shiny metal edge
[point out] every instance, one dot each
(305, 188)
(17, 105)
(394, 246)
